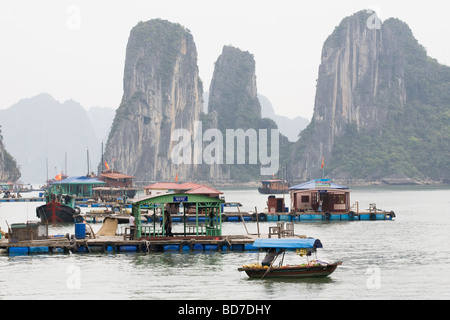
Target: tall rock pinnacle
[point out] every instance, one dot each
(369, 101)
(162, 93)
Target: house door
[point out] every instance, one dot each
(327, 201)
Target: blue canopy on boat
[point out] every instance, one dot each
(318, 184)
(288, 243)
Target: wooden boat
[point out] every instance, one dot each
(314, 268)
(274, 187)
(292, 271)
(54, 211)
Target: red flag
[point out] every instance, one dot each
(106, 165)
(323, 161)
(176, 178)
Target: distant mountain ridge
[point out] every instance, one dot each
(101, 120)
(291, 128)
(40, 128)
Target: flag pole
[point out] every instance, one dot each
(323, 170)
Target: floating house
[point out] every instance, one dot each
(197, 206)
(118, 185)
(320, 195)
(207, 220)
(81, 186)
(321, 199)
(115, 179)
(6, 186)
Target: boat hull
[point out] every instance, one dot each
(292, 272)
(55, 212)
(272, 191)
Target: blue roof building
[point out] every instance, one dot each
(80, 186)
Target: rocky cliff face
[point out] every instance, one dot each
(162, 93)
(364, 87)
(8, 166)
(233, 92)
(233, 104)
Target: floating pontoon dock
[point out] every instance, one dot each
(111, 244)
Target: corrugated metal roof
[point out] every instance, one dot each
(169, 198)
(188, 186)
(163, 186)
(116, 176)
(204, 190)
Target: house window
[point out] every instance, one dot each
(305, 198)
(339, 199)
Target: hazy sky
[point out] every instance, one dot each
(75, 49)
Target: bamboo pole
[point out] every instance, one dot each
(257, 220)
(270, 267)
(243, 221)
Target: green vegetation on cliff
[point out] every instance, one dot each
(415, 140)
(234, 103)
(154, 35)
(233, 91)
(8, 167)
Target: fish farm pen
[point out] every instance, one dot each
(201, 215)
(33, 238)
(97, 217)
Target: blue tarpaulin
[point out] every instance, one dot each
(79, 180)
(288, 243)
(318, 184)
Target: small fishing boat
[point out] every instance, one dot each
(55, 211)
(275, 186)
(307, 247)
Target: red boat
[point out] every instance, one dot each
(54, 211)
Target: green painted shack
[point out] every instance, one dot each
(207, 210)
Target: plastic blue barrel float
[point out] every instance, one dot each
(80, 231)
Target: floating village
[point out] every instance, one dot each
(141, 220)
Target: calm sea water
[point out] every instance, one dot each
(407, 258)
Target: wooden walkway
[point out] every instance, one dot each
(36, 199)
(104, 244)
